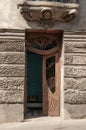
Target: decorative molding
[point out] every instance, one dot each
(43, 44)
(12, 34)
(45, 13)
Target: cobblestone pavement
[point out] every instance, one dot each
(45, 123)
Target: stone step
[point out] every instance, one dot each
(34, 112)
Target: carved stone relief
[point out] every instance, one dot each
(46, 12)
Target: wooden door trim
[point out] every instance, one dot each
(43, 52)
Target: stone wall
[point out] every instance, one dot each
(12, 73)
(75, 74)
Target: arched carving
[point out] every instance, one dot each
(43, 52)
(43, 44)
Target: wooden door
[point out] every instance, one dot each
(51, 85)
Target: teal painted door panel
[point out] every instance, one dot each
(34, 76)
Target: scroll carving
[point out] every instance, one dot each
(45, 13)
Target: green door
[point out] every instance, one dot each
(34, 84)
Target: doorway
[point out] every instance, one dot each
(43, 72)
(34, 84)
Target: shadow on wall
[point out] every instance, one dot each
(64, 1)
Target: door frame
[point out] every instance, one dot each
(57, 74)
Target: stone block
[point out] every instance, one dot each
(74, 46)
(75, 83)
(12, 83)
(11, 112)
(11, 96)
(74, 96)
(75, 111)
(3, 83)
(12, 70)
(12, 58)
(13, 46)
(75, 59)
(75, 71)
(2, 96)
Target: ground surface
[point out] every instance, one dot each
(45, 123)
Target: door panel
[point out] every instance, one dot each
(51, 76)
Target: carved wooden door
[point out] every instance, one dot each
(51, 85)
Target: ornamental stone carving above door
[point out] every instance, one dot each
(47, 12)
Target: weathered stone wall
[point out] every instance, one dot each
(75, 74)
(12, 73)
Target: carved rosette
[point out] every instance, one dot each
(46, 13)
